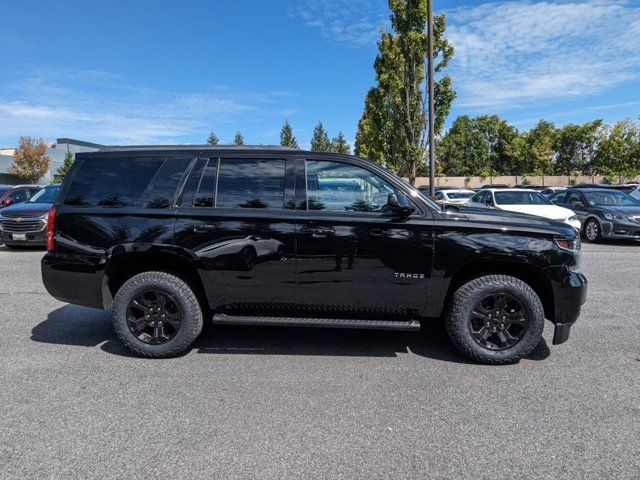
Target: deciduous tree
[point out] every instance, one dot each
(30, 160)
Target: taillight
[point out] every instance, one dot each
(51, 230)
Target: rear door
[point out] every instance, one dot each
(353, 260)
(236, 222)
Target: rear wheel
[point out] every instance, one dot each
(592, 230)
(495, 319)
(156, 314)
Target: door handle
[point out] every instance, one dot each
(204, 228)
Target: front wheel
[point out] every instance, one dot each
(495, 319)
(156, 314)
(592, 230)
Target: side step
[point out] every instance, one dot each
(222, 318)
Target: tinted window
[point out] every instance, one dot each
(477, 198)
(250, 184)
(439, 195)
(112, 182)
(613, 198)
(559, 197)
(340, 187)
(207, 189)
(46, 195)
(520, 198)
(162, 190)
(573, 197)
(19, 196)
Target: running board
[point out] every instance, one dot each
(222, 318)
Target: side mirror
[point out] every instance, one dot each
(399, 205)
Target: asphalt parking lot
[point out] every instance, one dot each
(298, 403)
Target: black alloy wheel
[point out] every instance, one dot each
(498, 321)
(153, 317)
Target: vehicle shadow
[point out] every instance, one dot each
(21, 248)
(86, 327)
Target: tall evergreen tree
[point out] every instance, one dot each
(393, 127)
(238, 139)
(212, 139)
(339, 144)
(320, 141)
(286, 136)
(64, 168)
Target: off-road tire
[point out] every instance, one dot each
(186, 300)
(465, 298)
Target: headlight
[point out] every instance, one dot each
(573, 218)
(611, 216)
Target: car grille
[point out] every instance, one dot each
(21, 224)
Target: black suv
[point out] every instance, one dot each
(172, 236)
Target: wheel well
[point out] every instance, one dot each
(529, 274)
(124, 266)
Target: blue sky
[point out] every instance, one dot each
(127, 72)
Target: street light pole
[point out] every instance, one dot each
(432, 154)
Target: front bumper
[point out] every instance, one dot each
(622, 230)
(31, 238)
(570, 293)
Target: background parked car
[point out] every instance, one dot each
(524, 201)
(604, 212)
(454, 196)
(548, 191)
(12, 194)
(25, 223)
(635, 193)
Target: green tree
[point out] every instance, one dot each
(30, 160)
(482, 145)
(393, 127)
(320, 141)
(339, 144)
(66, 165)
(618, 150)
(212, 139)
(534, 150)
(575, 146)
(238, 139)
(286, 136)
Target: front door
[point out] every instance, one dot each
(236, 221)
(354, 260)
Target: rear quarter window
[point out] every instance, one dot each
(113, 182)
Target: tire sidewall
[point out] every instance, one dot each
(472, 292)
(598, 230)
(181, 294)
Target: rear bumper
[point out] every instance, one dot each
(74, 279)
(569, 294)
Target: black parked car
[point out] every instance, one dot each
(274, 236)
(604, 212)
(25, 223)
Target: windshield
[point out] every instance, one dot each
(46, 195)
(459, 195)
(520, 198)
(614, 198)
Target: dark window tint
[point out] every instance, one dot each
(340, 187)
(19, 196)
(162, 190)
(559, 197)
(574, 197)
(207, 190)
(113, 182)
(250, 184)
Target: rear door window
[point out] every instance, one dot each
(112, 182)
(162, 189)
(250, 183)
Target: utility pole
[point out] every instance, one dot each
(432, 152)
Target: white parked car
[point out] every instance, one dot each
(524, 201)
(454, 196)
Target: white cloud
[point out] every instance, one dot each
(522, 53)
(101, 107)
(353, 22)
